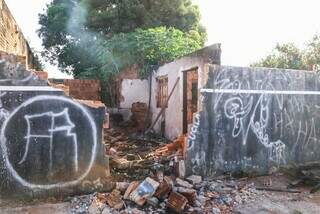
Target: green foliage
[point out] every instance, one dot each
(89, 38)
(286, 56)
(145, 48)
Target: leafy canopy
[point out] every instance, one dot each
(288, 56)
(90, 37)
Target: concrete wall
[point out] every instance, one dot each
(254, 119)
(132, 91)
(50, 144)
(11, 38)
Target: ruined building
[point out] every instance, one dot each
(12, 40)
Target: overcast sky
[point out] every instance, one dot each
(247, 29)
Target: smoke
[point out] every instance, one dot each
(83, 37)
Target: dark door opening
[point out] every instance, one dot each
(190, 97)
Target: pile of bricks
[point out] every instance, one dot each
(84, 89)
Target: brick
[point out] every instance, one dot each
(114, 200)
(177, 202)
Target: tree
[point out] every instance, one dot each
(286, 56)
(72, 31)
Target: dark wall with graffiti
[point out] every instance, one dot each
(50, 144)
(254, 119)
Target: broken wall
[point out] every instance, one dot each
(50, 144)
(254, 119)
(12, 40)
(84, 89)
(173, 116)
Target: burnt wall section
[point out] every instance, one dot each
(50, 144)
(254, 119)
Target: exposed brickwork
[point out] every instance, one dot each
(41, 74)
(12, 40)
(84, 89)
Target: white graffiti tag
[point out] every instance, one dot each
(59, 122)
(234, 109)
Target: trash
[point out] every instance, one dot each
(146, 189)
(177, 202)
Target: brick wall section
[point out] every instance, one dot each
(41, 74)
(84, 89)
(12, 40)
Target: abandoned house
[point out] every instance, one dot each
(182, 79)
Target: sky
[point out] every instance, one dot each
(246, 29)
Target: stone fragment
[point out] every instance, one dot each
(181, 169)
(216, 210)
(146, 189)
(114, 200)
(122, 186)
(190, 194)
(177, 202)
(153, 201)
(183, 183)
(133, 185)
(194, 179)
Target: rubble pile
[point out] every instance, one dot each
(163, 194)
(134, 157)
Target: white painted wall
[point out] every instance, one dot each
(132, 91)
(174, 112)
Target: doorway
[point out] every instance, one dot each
(190, 97)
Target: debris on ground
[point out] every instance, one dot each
(150, 177)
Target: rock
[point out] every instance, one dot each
(153, 201)
(94, 208)
(122, 186)
(182, 183)
(194, 179)
(216, 210)
(146, 189)
(190, 194)
(177, 202)
(181, 169)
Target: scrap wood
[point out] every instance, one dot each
(164, 106)
(274, 189)
(177, 145)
